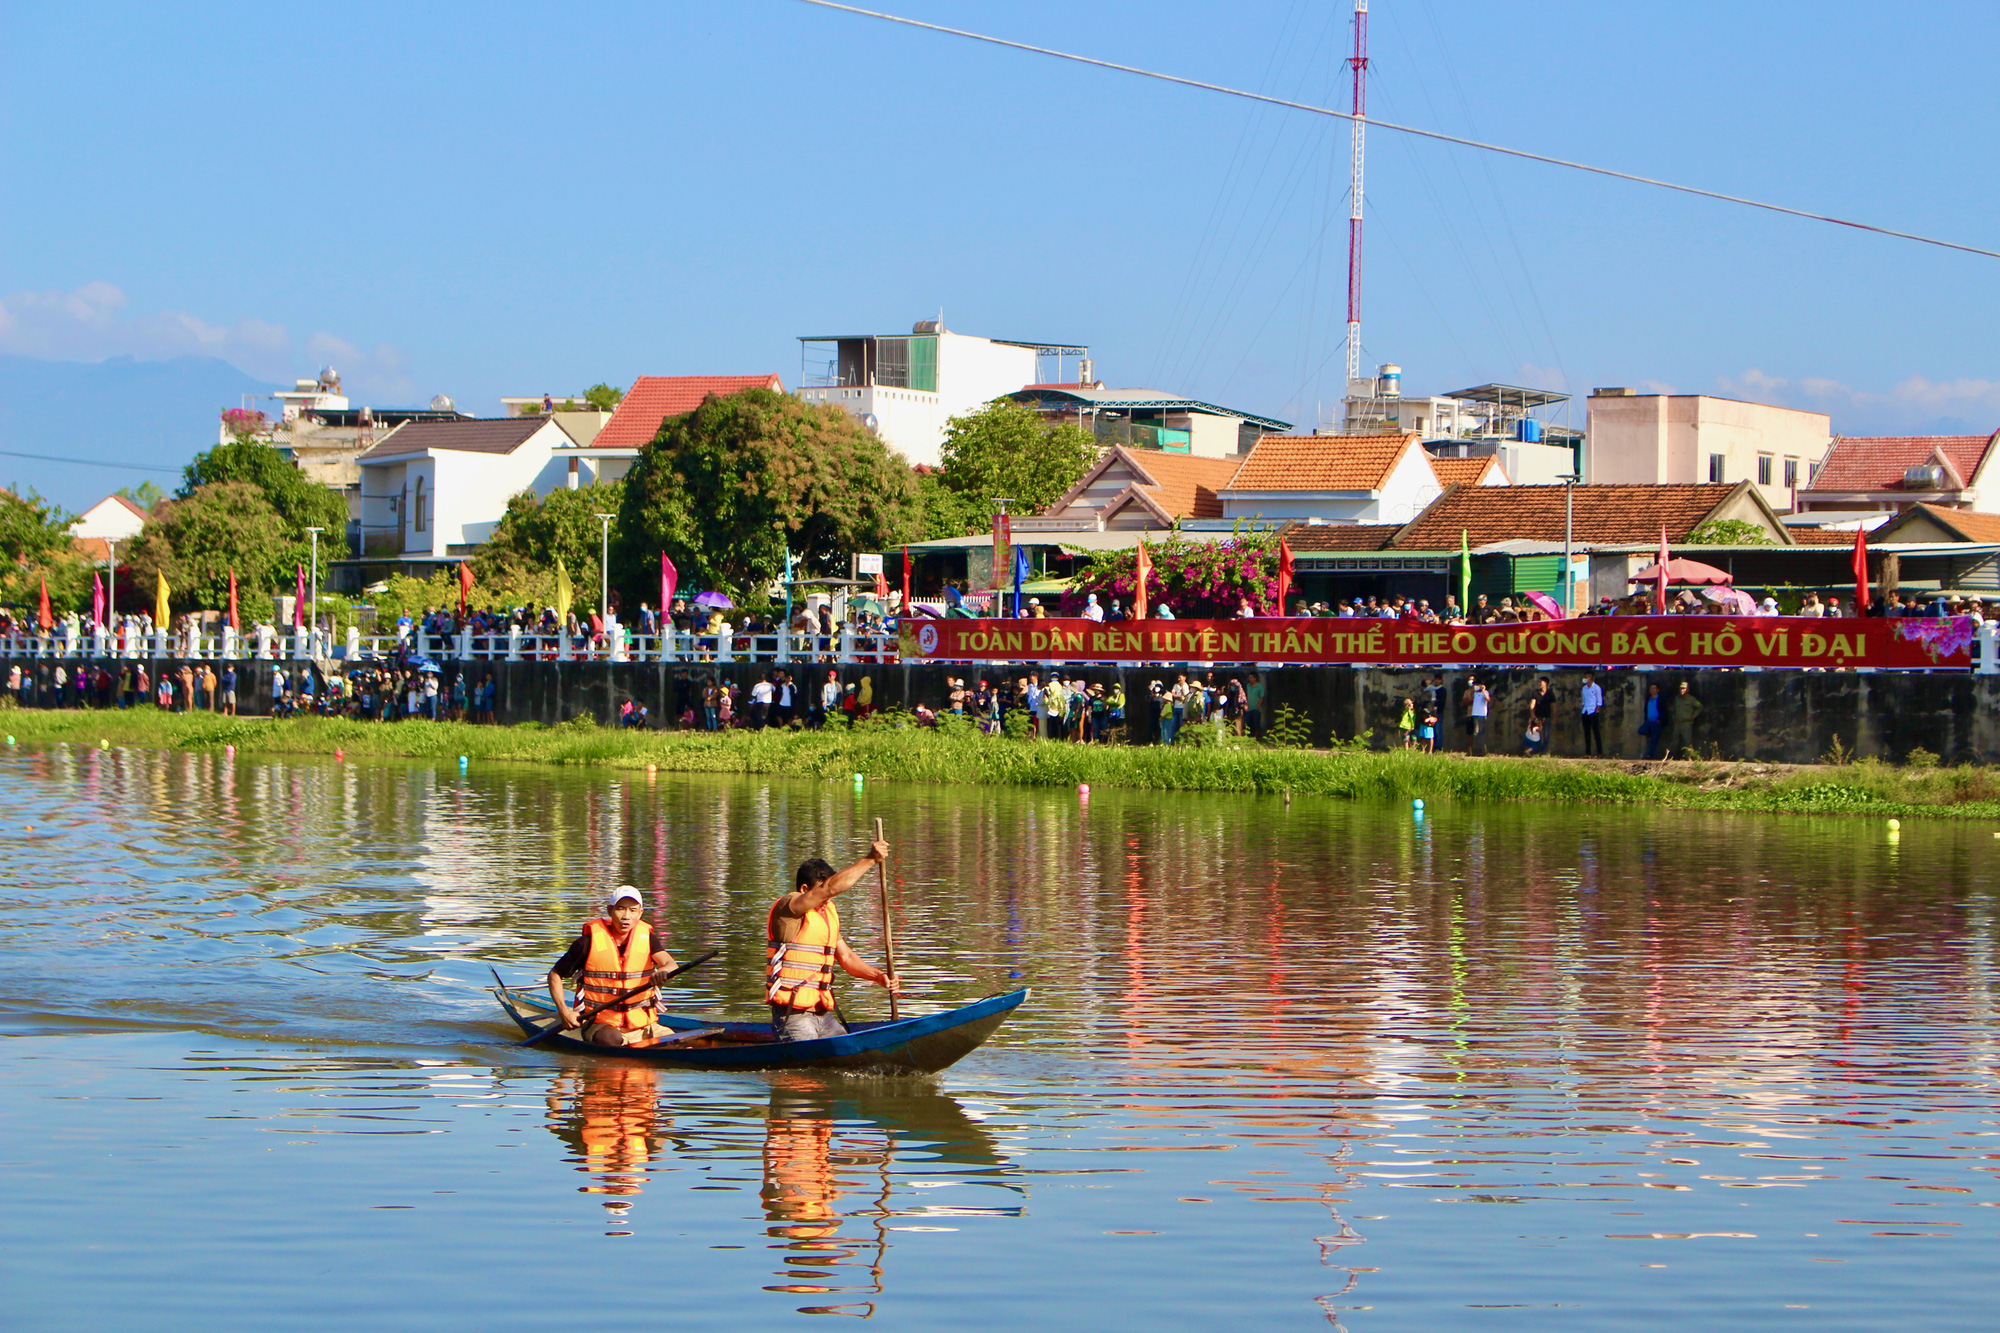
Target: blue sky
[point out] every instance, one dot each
(510, 198)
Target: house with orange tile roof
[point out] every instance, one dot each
(1137, 490)
(1474, 471)
(1892, 473)
(1333, 478)
(112, 519)
(611, 450)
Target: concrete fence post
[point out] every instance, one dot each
(846, 644)
(465, 645)
(1989, 649)
(618, 642)
(668, 648)
(513, 643)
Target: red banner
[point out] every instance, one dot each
(1689, 641)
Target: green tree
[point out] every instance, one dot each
(35, 544)
(1005, 449)
(603, 397)
(948, 513)
(535, 531)
(301, 502)
(146, 494)
(197, 538)
(726, 489)
(1730, 532)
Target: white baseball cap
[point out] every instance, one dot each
(623, 892)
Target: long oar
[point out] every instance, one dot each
(888, 923)
(583, 1020)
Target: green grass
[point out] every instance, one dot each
(885, 752)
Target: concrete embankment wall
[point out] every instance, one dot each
(1772, 716)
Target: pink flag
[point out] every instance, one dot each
(669, 580)
(1660, 579)
(299, 602)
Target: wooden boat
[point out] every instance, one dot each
(908, 1046)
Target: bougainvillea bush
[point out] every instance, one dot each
(1198, 579)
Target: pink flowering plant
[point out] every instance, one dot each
(1200, 580)
(1941, 636)
(245, 422)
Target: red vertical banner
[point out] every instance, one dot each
(906, 579)
(1860, 570)
(43, 615)
(1144, 571)
(1286, 569)
(234, 623)
(1660, 577)
(669, 579)
(1003, 549)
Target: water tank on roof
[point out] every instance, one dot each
(1923, 477)
(1389, 382)
(1528, 431)
(443, 403)
(928, 326)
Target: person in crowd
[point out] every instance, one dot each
(1478, 704)
(760, 705)
(1653, 724)
(617, 954)
(1091, 610)
(1590, 710)
(1427, 732)
(1406, 725)
(1253, 704)
(1680, 727)
(829, 699)
(1541, 716)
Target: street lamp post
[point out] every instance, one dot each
(1569, 481)
(604, 567)
(312, 615)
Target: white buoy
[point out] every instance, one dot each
(1895, 824)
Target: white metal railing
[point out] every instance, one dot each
(265, 643)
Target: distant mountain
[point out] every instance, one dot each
(156, 413)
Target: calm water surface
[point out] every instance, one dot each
(1284, 1067)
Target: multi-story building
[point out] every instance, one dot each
(1149, 419)
(1691, 438)
(906, 387)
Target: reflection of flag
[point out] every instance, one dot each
(161, 592)
(563, 592)
(464, 588)
(43, 614)
(96, 599)
(1143, 572)
(670, 578)
(234, 623)
(1860, 570)
(1285, 571)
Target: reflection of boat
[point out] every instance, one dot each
(911, 1045)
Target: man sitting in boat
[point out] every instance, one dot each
(802, 943)
(617, 953)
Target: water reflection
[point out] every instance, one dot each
(608, 1113)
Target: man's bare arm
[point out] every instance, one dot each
(800, 901)
(850, 963)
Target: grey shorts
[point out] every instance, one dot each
(803, 1025)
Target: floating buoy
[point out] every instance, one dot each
(1895, 824)
(337, 754)
(104, 744)
(1418, 803)
(10, 740)
(229, 750)
(857, 779)
(652, 768)
(1083, 790)
(462, 761)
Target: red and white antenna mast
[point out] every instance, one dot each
(1358, 62)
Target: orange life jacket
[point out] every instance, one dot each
(608, 973)
(798, 972)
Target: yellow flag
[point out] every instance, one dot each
(563, 592)
(160, 595)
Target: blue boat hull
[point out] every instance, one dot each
(920, 1045)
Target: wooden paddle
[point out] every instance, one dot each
(583, 1019)
(888, 923)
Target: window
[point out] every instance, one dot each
(418, 509)
(1715, 467)
(1791, 473)
(1763, 469)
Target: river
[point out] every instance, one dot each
(1284, 1065)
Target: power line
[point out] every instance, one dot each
(92, 462)
(1404, 129)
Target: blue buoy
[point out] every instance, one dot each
(461, 761)
(1418, 803)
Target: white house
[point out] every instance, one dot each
(112, 519)
(905, 387)
(1334, 478)
(434, 490)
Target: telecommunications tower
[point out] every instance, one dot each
(1358, 62)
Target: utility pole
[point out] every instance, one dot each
(312, 616)
(1358, 62)
(604, 567)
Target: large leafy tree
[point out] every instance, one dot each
(536, 531)
(35, 545)
(1003, 449)
(196, 539)
(728, 488)
(300, 502)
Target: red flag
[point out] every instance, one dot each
(234, 623)
(669, 579)
(1144, 571)
(906, 578)
(1660, 576)
(881, 587)
(464, 588)
(1860, 571)
(1286, 568)
(45, 616)
(299, 600)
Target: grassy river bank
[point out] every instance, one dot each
(886, 752)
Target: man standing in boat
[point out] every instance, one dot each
(802, 943)
(616, 953)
